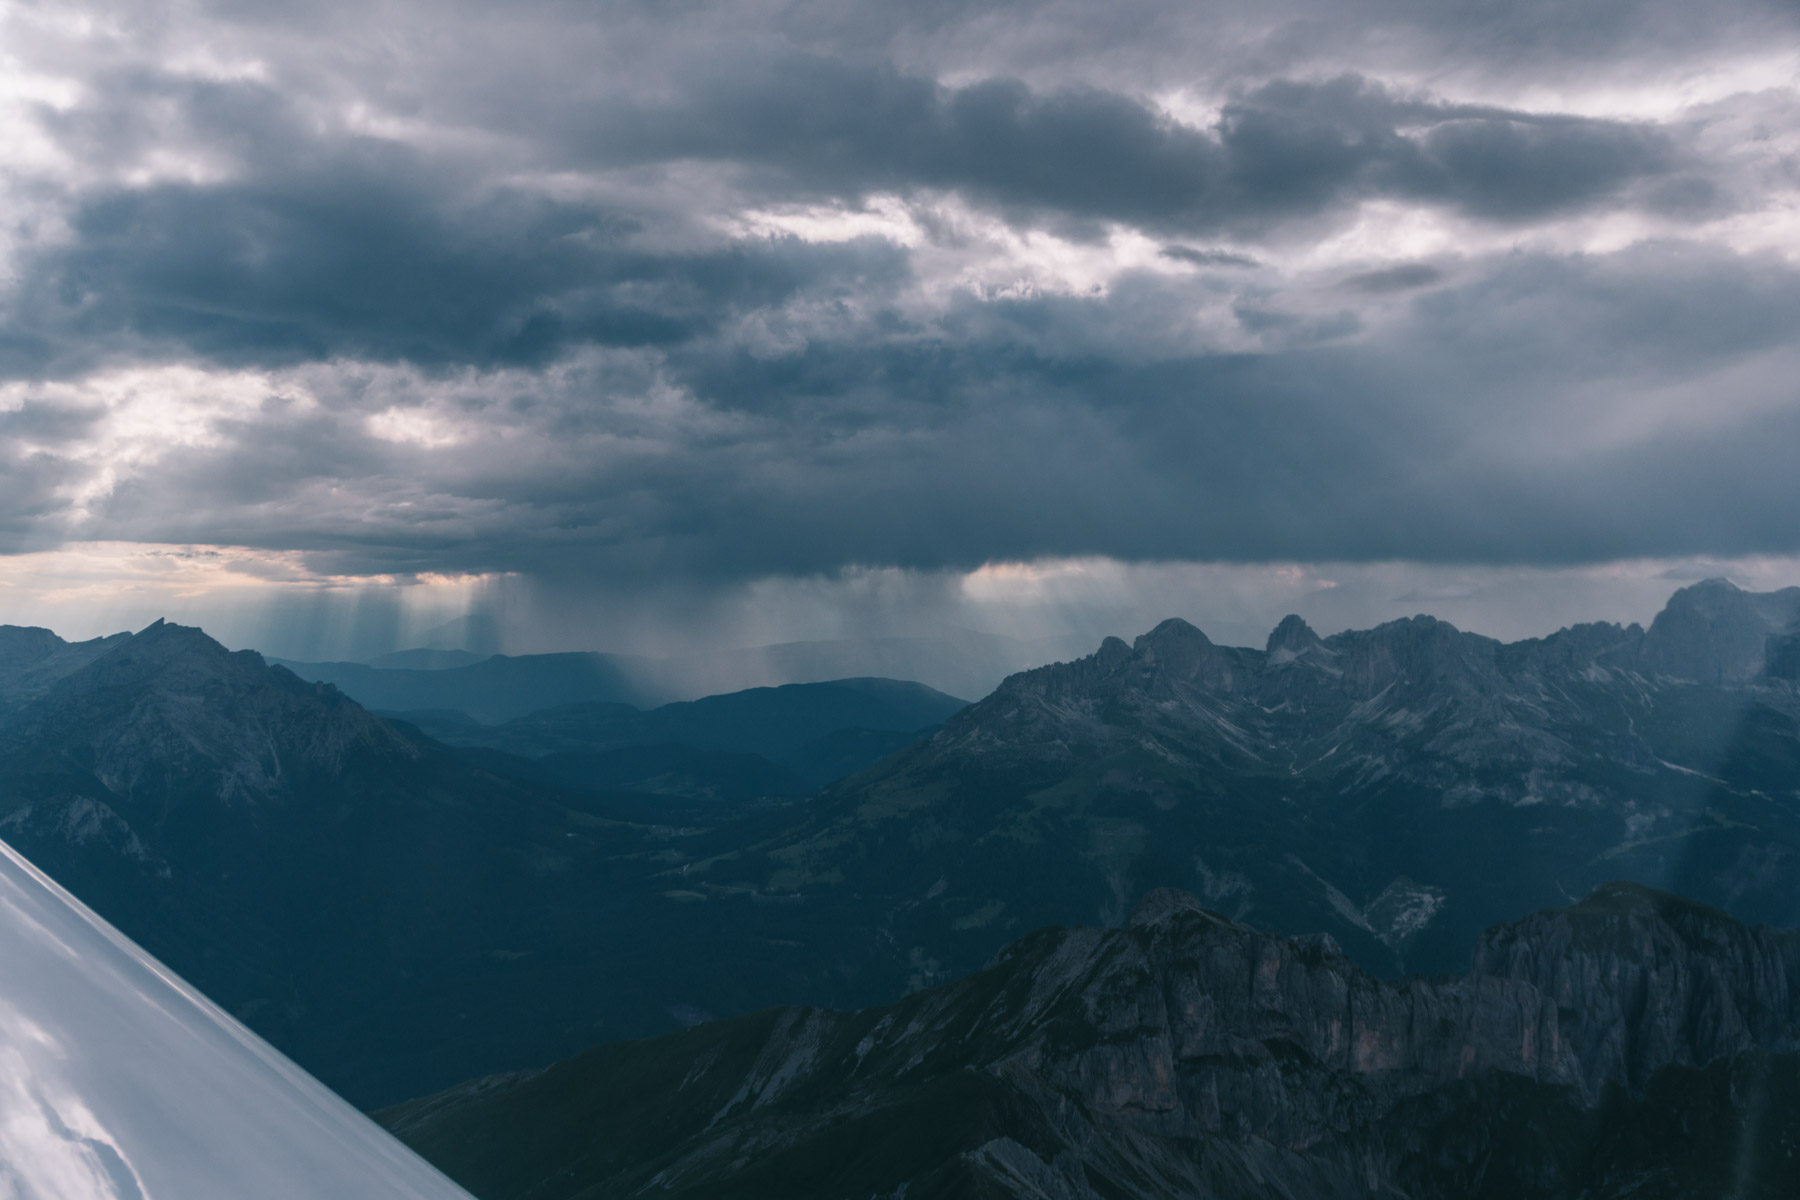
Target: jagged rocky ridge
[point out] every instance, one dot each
(1416, 698)
(1187, 1055)
(1402, 787)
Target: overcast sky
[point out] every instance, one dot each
(679, 323)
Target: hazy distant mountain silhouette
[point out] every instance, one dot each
(811, 733)
(502, 687)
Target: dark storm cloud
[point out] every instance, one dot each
(1316, 142)
(318, 243)
(361, 248)
(1413, 446)
(354, 265)
(1285, 151)
(1155, 44)
(321, 248)
(509, 276)
(1509, 167)
(999, 435)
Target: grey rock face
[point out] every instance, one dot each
(1183, 1055)
(1283, 1055)
(1646, 980)
(81, 822)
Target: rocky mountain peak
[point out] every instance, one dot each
(1709, 600)
(1421, 630)
(1111, 653)
(161, 643)
(171, 703)
(1170, 637)
(1416, 697)
(169, 660)
(1290, 639)
(1713, 585)
(1419, 653)
(1624, 898)
(1616, 914)
(1716, 632)
(1177, 651)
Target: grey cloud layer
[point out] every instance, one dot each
(359, 247)
(356, 247)
(1283, 151)
(549, 265)
(898, 445)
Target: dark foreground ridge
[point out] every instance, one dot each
(1635, 1044)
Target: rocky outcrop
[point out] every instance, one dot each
(1183, 1055)
(1647, 980)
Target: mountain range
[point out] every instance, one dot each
(1401, 788)
(398, 914)
(1632, 1045)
